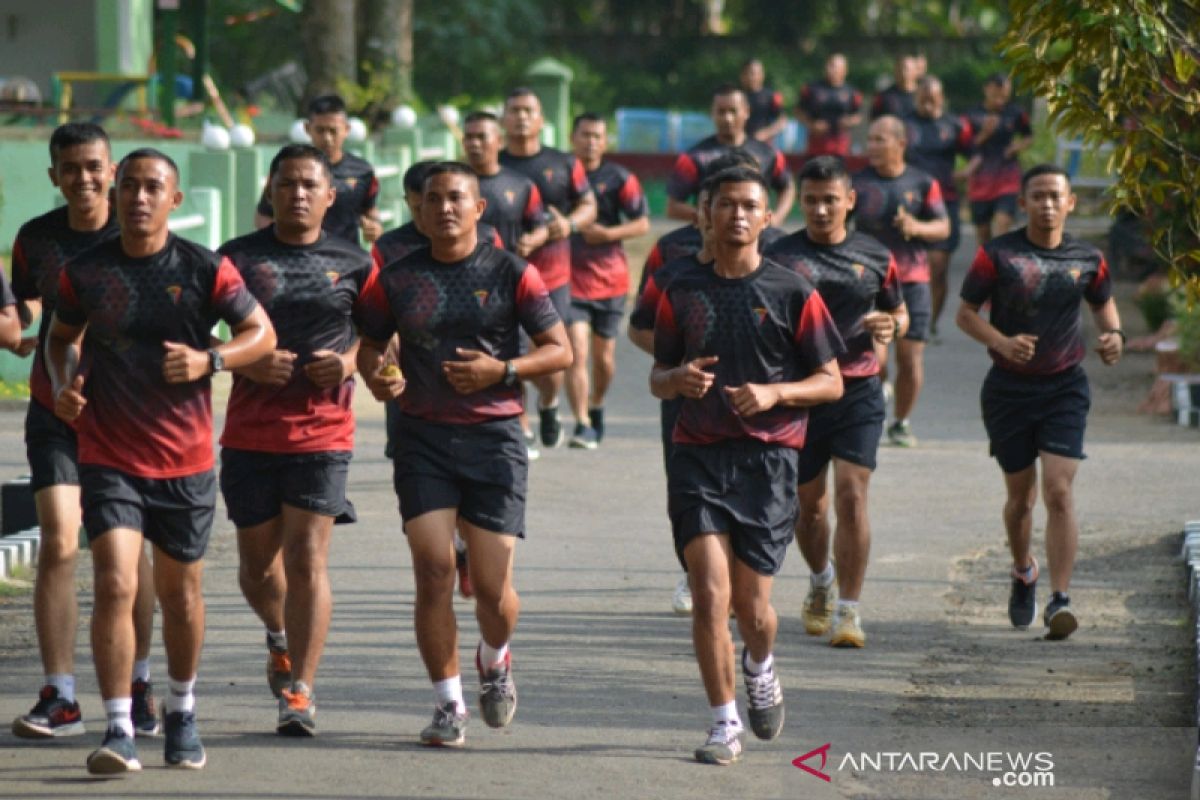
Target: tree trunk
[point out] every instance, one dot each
(329, 45)
(386, 47)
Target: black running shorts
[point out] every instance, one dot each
(1028, 414)
(982, 211)
(918, 299)
(602, 316)
(51, 448)
(256, 485)
(848, 429)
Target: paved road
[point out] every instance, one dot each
(611, 704)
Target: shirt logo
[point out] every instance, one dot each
(481, 296)
(333, 277)
(510, 195)
(908, 196)
(351, 182)
(1075, 272)
(549, 173)
(761, 313)
(174, 291)
(859, 269)
(600, 187)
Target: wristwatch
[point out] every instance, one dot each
(216, 362)
(510, 374)
(1120, 333)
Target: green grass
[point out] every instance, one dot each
(14, 390)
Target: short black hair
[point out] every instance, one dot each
(714, 182)
(414, 176)
(76, 133)
(749, 62)
(587, 116)
(480, 116)
(326, 104)
(301, 151)
(733, 157)
(824, 168)
(1039, 170)
(727, 89)
(450, 168)
(521, 91)
(152, 154)
(996, 79)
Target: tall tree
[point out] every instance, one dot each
(327, 34)
(386, 50)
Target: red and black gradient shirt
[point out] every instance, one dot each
(933, 145)
(765, 107)
(42, 246)
(357, 190)
(479, 303)
(135, 421)
(820, 101)
(879, 199)
(308, 291)
(514, 205)
(693, 167)
(770, 326)
(685, 241)
(997, 175)
(562, 182)
(1037, 291)
(854, 277)
(650, 294)
(895, 101)
(600, 271)
(399, 242)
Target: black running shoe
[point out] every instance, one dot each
(145, 718)
(1059, 618)
(764, 701)
(550, 427)
(52, 716)
(1022, 599)
(596, 415)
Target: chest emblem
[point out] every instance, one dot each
(174, 291)
(510, 195)
(333, 277)
(481, 296)
(549, 173)
(760, 313)
(859, 269)
(350, 182)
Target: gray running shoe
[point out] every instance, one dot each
(183, 747)
(447, 727)
(297, 710)
(724, 745)
(764, 701)
(817, 612)
(497, 692)
(115, 755)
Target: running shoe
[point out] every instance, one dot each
(531, 448)
(900, 434)
(584, 438)
(183, 747)
(847, 628)
(888, 392)
(596, 415)
(279, 669)
(550, 427)
(724, 745)
(1059, 618)
(447, 727)
(143, 714)
(1022, 599)
(497, 692)
(115, 755)
(464, 574)
(297, 710)
(764, 701)
(817, 611)
(681, 601)
(52, 716)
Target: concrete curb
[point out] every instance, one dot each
(19, 550)
(1191, 557)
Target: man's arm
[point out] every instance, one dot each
(385, 382)
(603, 234)
(783, 203)
(1111, 341)
(823, 385)
(1018, 349)
(253, 338)
(63, 342)
(476, 370)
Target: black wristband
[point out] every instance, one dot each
(1120, 333)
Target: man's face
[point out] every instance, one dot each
(826, 204)
(522, 116)
(83, 173)
(753, 76)
(835, 70)
(738, 213)
(301, 193)
(729, 114)
(1047, 200)
(884, 146)
(995, 95)
(481, 143)
(589, 141)
(328, 133)
(147, 193)
(450, 206)
(930, 101)
(907, 72)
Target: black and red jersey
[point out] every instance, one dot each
(399, 242)
(765, 107)
(685, 241)
(135, 421)
(646, 306)
(42, 246)
(514, 205)
(562, 182)
(770, 326)
(820, 101)
(600, 271)
(693, 167)
(998, 174)
(479, 303)
(357, 190)
(1037, 291)
(933, 145)
(895, 101)
(308, 291)
(880, 198)
(854, 277)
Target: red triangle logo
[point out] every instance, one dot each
(823, 752)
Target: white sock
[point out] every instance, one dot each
(117, 710)
(277, 639)
(179, 695)
(450, 690)
(141, 670)
(824, 578)
(754, 667)
(845, 605)
(459, 545)
(491, 656)
(726, 714)
(65, 683)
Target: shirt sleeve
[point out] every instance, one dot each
(856, 102)
(579, 181)
(23, 284)
(668, 341)
(776, 105)
(642, 318)
(230, 298)
(371, 196)
(817, 337)
(980, 281)
(1099, 288)
(966, 135)
(535, 211)
(804, 102)
(933, 207)
(535, 311)
(780, 178)
(1023, 126)
(684, 180)
(877, 109)
(891, 293)
(632, 198)
(67, 306)
(372, 313)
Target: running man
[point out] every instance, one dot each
(747, 345)
(935, 140)
(1002, 132)
(899, 99)
(729, 113)
(902, 208)
(514, 204)
(859, 282)
(766, 119)
(147, 301)
(81, 168)
(599, 277)
(289, 428)
(461, 459)
(828, 109)
(353, 178)
(1035, 399)
(570, 207)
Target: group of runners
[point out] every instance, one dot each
(768, 349)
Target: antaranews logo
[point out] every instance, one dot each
(1021, 769)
